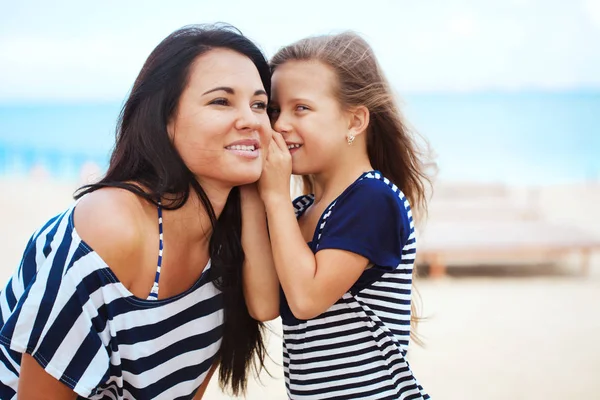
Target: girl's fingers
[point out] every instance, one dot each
(279, 140)
(273, 147)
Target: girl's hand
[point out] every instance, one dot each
(274, 183)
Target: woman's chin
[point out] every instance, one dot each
(246, 178)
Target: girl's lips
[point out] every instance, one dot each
(293, 147)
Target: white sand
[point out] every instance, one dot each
(486, 338)
(493, 339)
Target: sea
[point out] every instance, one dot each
(519, 137)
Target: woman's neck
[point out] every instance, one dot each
(192, 221)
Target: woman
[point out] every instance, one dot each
(136, 290)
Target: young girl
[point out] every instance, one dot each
(136, 292)
(346, 265)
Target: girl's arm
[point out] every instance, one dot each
(261, 285)
(311, 283)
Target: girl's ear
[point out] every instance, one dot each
(358, 120)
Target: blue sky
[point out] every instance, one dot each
(74, 50)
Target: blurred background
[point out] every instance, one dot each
(506, 94)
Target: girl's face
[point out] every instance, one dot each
(221, 127)
(308, 115)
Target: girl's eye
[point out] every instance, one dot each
(301, 108)
(260, 105)
(220, 102)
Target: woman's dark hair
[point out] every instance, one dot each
(145, 162)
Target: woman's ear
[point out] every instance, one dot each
(171, 128)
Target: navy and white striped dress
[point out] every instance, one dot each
(357, 348)
(67, 309)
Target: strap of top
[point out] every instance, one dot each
(154, 291)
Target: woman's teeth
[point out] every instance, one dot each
(293, 146)
(241, 147)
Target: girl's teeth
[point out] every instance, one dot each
(293, 146)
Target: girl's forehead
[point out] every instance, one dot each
(297, 77)
(304, 69)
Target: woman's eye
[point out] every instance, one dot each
(220, 102)
(301, 108)
(260, 105)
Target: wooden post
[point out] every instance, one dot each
(437, 267)
(585, 262)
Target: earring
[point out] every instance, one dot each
(350, 139)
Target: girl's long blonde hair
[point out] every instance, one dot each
(391, 146)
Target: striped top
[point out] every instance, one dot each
(67, 309)
(357, 348)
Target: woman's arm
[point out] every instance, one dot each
(36, 384)
(202, 388)
(116, 239)
(261, 285)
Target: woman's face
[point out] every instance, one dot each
(221, 128)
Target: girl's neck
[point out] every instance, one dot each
(330, 183)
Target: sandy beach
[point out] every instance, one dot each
(520, 332)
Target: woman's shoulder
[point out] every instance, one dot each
(112, 222)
